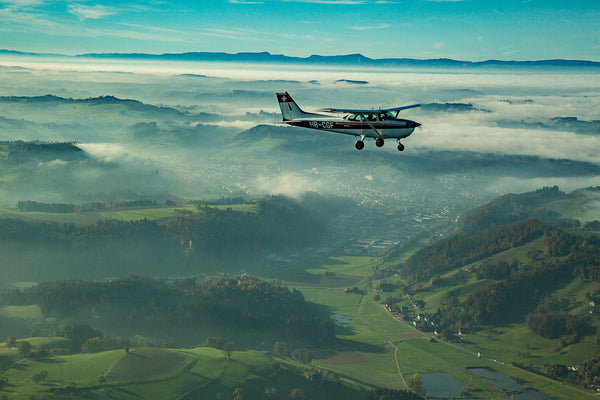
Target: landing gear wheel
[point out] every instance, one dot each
(359, 145)
(379, 142)
(400, 147)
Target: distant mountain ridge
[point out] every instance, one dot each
(347, 59)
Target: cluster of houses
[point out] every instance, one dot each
(424, 322)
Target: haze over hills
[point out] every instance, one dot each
(180, 173)
(340, 60)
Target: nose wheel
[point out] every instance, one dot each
(400, 146)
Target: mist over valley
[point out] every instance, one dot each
(161, 204)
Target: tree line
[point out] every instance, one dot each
(30, 205)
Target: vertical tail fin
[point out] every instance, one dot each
(289, 108)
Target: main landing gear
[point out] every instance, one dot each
(379, 142)
(360, 143)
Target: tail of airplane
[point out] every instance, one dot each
(289, 108)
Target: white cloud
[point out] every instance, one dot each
(22, 3)
(460, 133)
(438, 45)
(91, 12)
(288, 184)
(33, 20)
(370, 27)
(107, 152)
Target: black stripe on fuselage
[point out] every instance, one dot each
(327, 125)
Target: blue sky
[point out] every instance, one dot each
(460, 29)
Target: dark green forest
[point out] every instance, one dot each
(462, 249)
(244, 303)
(185, 244)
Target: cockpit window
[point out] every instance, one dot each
(385, 115)
(355, 117)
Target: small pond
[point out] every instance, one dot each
(509, 384)
(439, 385)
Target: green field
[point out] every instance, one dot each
(162, 374)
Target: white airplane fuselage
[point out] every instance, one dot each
(389, 129)
(377, 124)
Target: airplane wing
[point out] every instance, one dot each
(346, 111)
(398, 109)
(354, 111)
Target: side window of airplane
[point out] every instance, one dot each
(356, 117)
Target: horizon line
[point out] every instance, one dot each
(290, 58)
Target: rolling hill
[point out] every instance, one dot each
(527, 290)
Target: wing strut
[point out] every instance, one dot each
(379, 135)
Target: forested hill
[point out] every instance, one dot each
(51, 99)
(135, 107)
(19, 151)
(516, 288)
(512, 208)
(580, 254)
(462, 249)
(244, 303)
(205, 241)
(527, 275)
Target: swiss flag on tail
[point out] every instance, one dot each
(284, 97)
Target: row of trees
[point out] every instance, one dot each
(30, 205)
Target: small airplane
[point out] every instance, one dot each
(377, 124)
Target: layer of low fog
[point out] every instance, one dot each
(484, 132)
